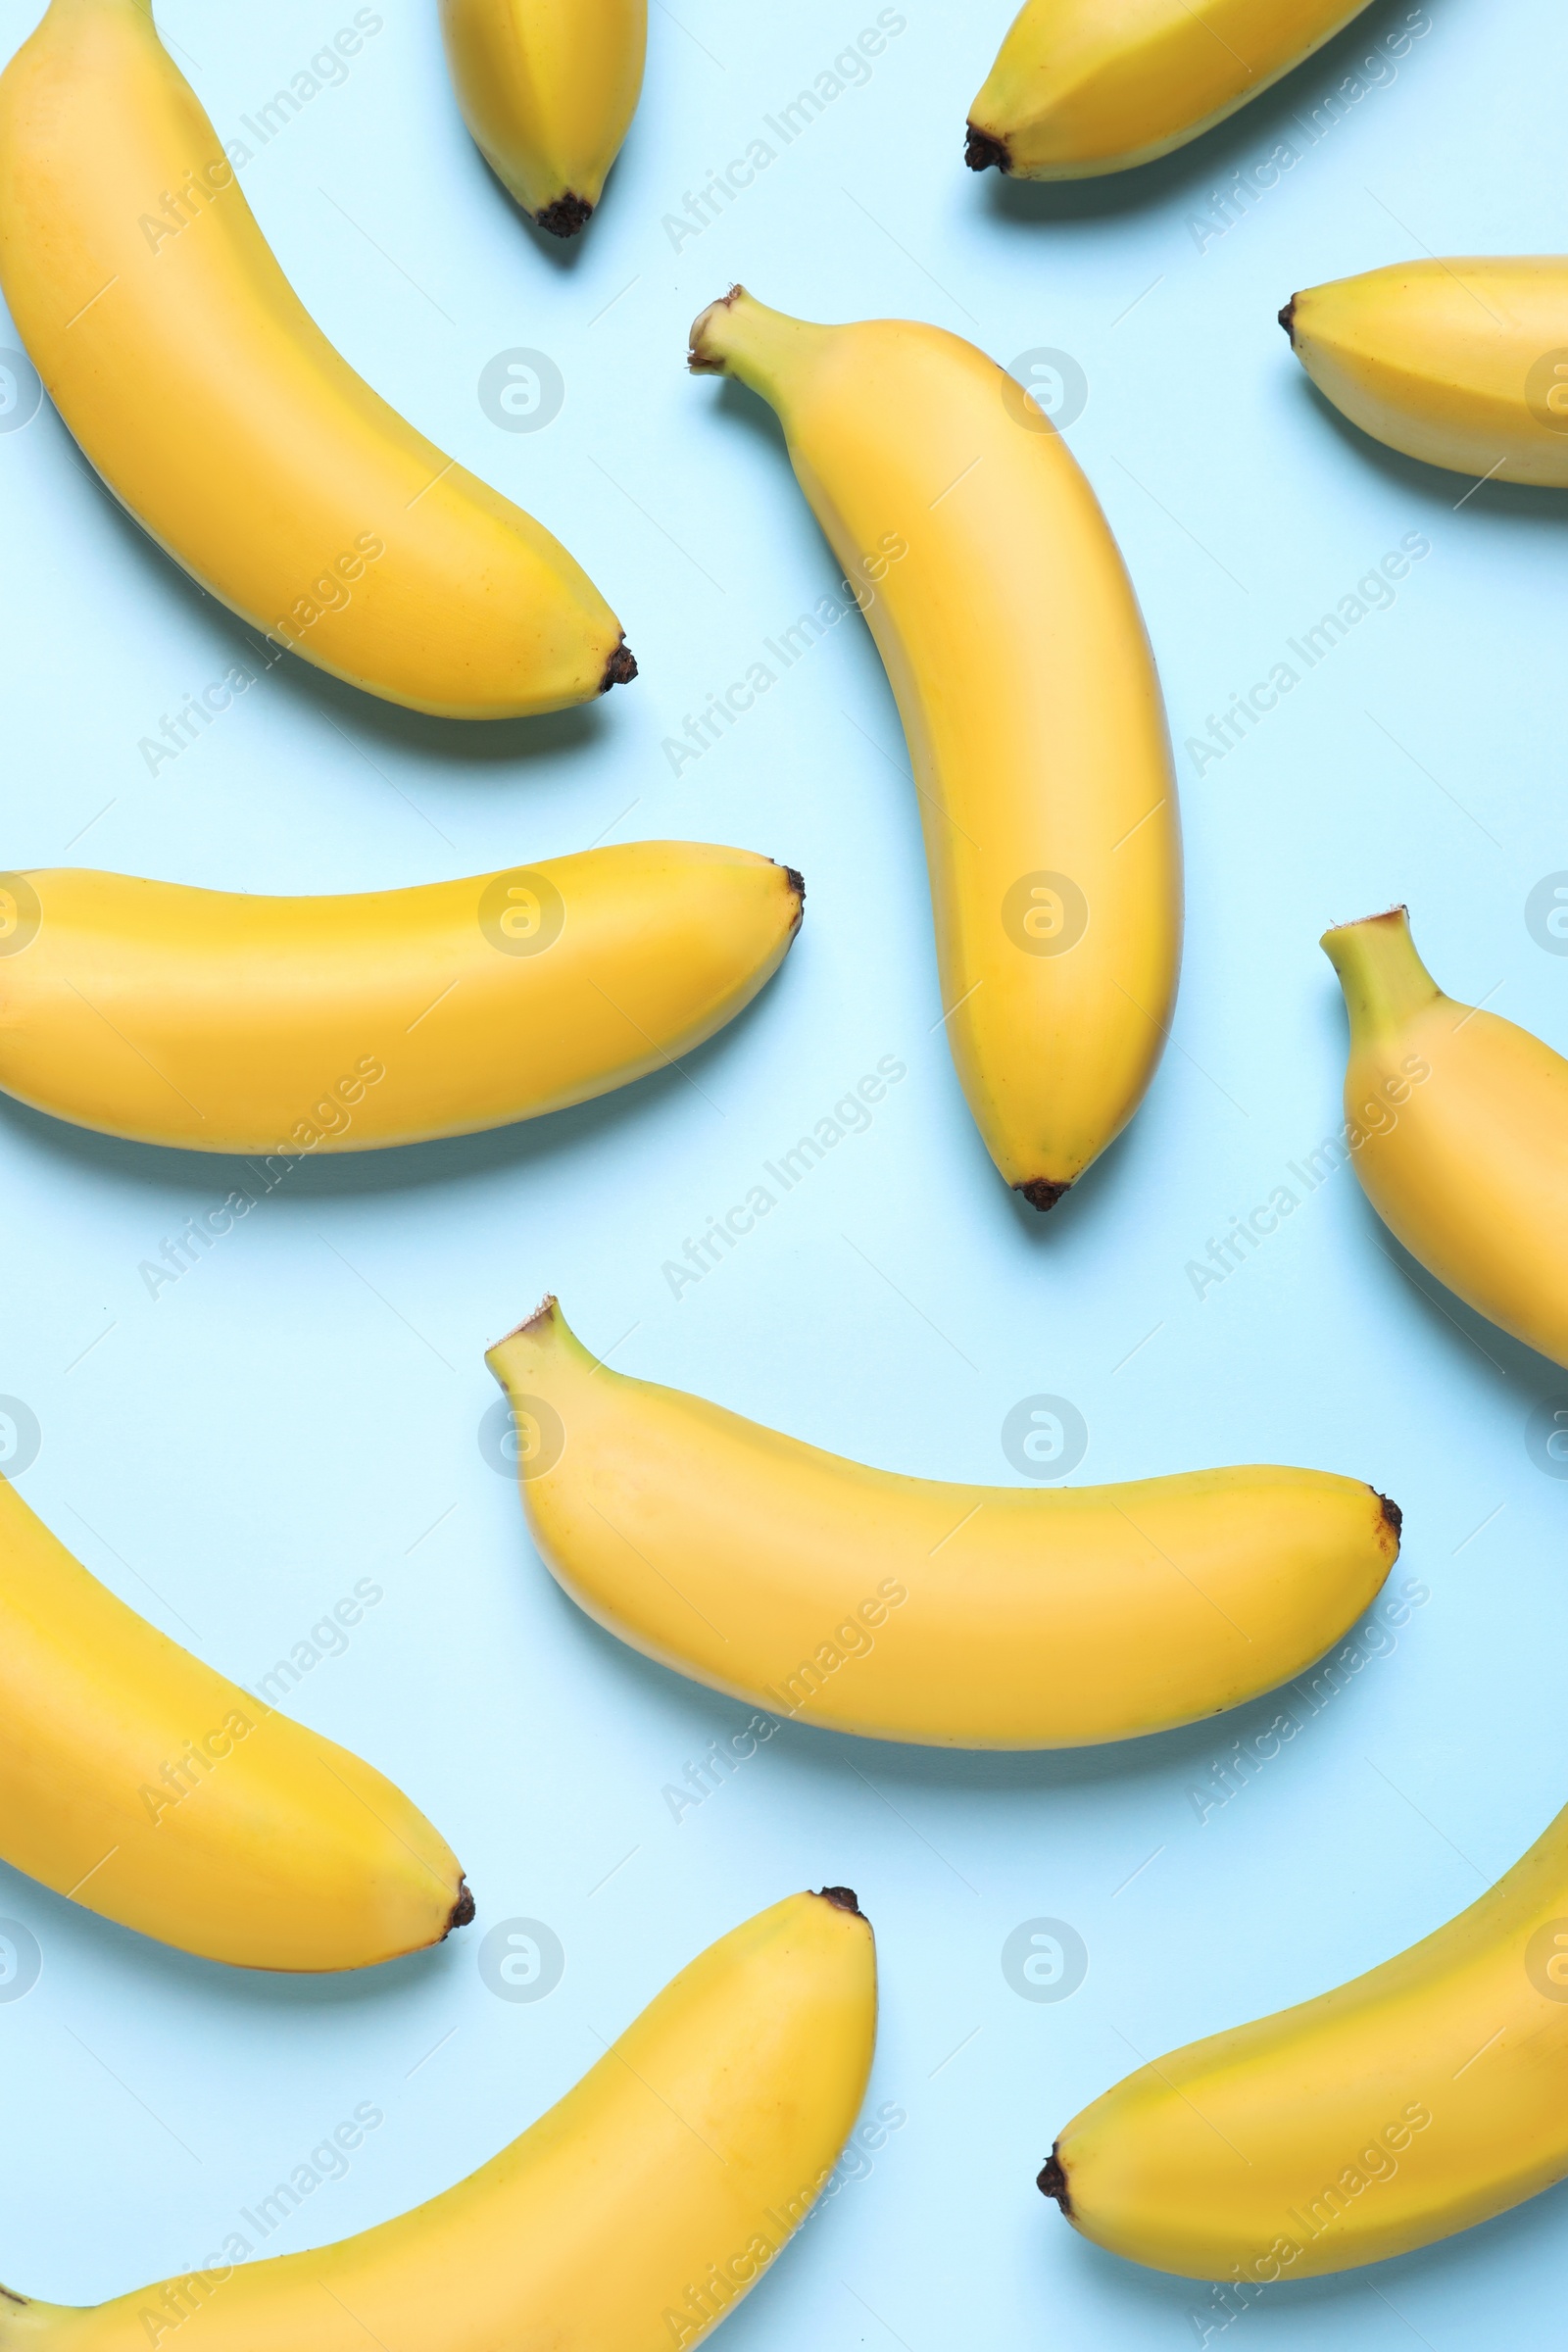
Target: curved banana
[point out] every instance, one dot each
(950, 1616)
(219, 415)
(150, 1789)
(1013, 642)
(636, 2214)
(218, 1023)
(1457, 1123)
(1462, 364)
(1079, 88)
(1422, 2097)
(547, 89)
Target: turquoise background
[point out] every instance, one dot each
(303, 1409)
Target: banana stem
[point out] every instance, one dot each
(1384, 979)
(742, 337)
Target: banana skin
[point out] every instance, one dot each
(1081, 88)
(1417, 2100)
(1458, 1124)
(547, 89)
(148, 1788)
(902, 1608)
(633, 2216)
(1462, 364)
(218, 1023)
(221, 417)
(1015, 649)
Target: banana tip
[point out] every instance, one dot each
(1042, 1192)
(620, 669)
(462, 1910)
(843, 1898)
(1393, 1516)
(1288, 320)
(567, 217)
(708, 362)
(982, 149)
(1052, 2182)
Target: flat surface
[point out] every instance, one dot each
(303, 1409)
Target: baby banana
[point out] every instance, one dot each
(219, 415)
(1081, 88)
(1459, 1128)
(547, 88)
(637, 2213)
(218, 1023)
(1463, 364)
(1424, 2096)
(141, 1784)
(1013, 642)
(950, 1616)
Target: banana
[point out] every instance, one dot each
(1014, 646)
(634, 2215)
(903, 1609)
(1462, 364)
(1458, 1124)
(218, 1023)
(547, 89)
(1081, 88)
(148, 1788)
(1417, 2100)
(222, 419)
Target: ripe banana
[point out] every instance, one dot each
(218, 1023)
(1458, 1124)
(635, 2214)
(1463, 364)
(144, 1785)
(547, 89)
(219, 415)
(903, 1609)
(1423, 2097)
(1079, 88)
(1013, 642)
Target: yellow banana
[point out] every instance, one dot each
(547, 88)
(219, 415)
(951, 1616)
(1458, 1124)
(219, 1022)
(1081, 88)
(631, 2218)
(150, 1789)
(1463, 364)
(1013, 642)
(1424, 2096)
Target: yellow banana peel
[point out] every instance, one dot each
(547, 89)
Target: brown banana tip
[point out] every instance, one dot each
(797, 882)
(843, 1898)
(699, 362)
(620, 669)
(567, 217)
(1393, 1516)
(1042, 1194)
(1288, 320)
(1052, 2182)
(980, 150)
(464, 1909)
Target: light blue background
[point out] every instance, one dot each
(302, 1409)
